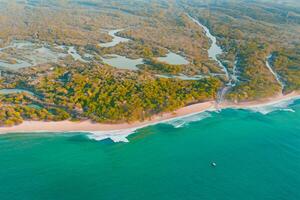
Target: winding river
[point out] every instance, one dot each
(116, 39)
(214, 50)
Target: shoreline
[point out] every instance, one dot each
(106, 130)
(262, 102)
(89, 126)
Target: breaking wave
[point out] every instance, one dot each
(184, 121)
(121, 135)
(277, 106)
(115, 136)
(179, 122)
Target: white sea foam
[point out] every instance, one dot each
(184, 121)
(116, 136)
(181, 121)
(121, 135)
(288, 110)
(276, 106)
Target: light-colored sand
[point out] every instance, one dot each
(262, 102)
(88, 126)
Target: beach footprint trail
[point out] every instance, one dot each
(275, 74)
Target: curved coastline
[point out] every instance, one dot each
(89, 126)
(119, 132)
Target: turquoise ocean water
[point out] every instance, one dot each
(257, 156)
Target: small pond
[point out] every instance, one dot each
(173, 59)
(122, 62)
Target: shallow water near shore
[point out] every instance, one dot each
(257, 156)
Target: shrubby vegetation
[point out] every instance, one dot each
(287, 63)
(249, 32)
(256, 82)
(15, 108)
(104, 94)
(162, 67)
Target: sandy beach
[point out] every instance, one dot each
(262, 102)
(88, 126)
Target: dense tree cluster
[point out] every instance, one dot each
(162, 67)
(256, 81)
(14, 108)
(287, 63)
(104, 94)
(247, 31)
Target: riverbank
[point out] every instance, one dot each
(88, 126)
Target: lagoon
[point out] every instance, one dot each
(173, 59)
(121, 62)
(29, 54)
